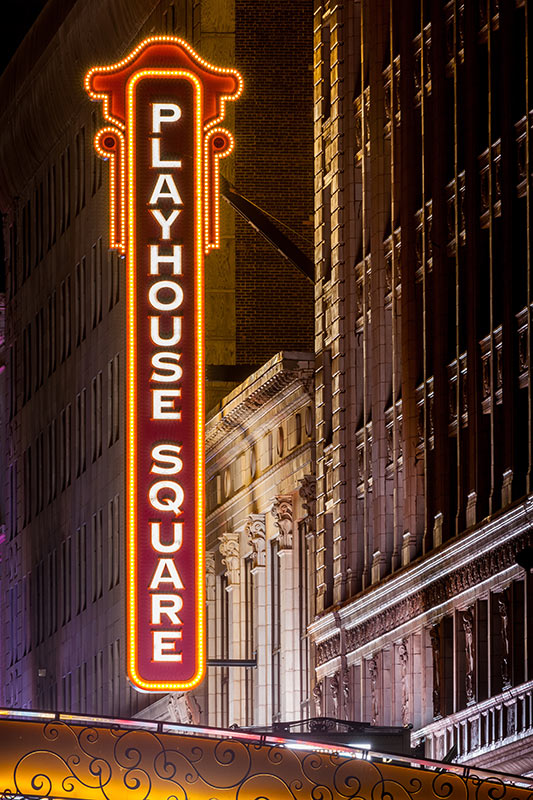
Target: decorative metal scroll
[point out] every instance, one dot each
(61, 760)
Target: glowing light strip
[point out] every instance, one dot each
(104, 97)
(212, 186)
(115, 242)
(131, 389)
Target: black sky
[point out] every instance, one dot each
(16, 25)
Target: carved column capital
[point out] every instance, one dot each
(255, 530)
(282, 513)
(229, 550)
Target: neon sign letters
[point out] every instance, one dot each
(163, 106)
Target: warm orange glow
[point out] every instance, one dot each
(131, 388)
(117, 183)
(212, 183)
(116, 87)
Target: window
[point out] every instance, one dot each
(97, 555)
(79, 300)
(52, 439)
(27, 363)
(96, 416)
(81, 569)
(113, 542)
(81, 460)
(113, 401)
(27, 478)
(66, 575)
(80, 170)
(99, 681)
(96, 283)
(39, 338)
(52, 330)
(40, 473)
(51, 204)
(65, 320)
(64, 169)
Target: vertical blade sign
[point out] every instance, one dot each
(163, 105)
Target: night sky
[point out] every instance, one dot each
(14, 30)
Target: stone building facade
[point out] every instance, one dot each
(424, 391)
(259, 531)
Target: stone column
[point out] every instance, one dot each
(230, 551)
(289, 633)
(211, 629)
(255, 531)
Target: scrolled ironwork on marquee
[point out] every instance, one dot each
(61, 760)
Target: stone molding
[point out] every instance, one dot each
(439, 591)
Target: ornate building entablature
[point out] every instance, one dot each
(265, 423)
(420, 594)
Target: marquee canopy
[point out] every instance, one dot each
(67, 756)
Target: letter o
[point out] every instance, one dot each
(165, 306)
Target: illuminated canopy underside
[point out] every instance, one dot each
(57, 758)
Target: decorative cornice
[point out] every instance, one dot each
(434, 594)
(255, 530)
(282, 512)
(272, 379)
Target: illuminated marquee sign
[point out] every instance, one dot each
(163, 105)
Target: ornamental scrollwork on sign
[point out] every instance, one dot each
(60, 760)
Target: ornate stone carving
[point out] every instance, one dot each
(255, 530)
(328, 649)
(192, 709)
(308, 495)
(468, 628)
(210, 575)
(317, 697)
(334, 686)
(229, 550)
(173, 706)
(373, 675)
(403, 654)
(445, 588)
(434, 634)
(503, 609)
(346, 692)
(282, 513)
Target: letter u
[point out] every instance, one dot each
(162, 341)
(177, 535)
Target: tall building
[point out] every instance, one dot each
(62, 562)
(424, 391)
